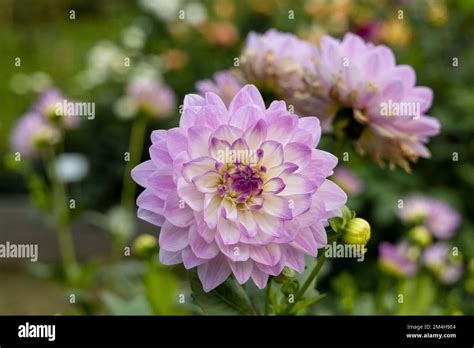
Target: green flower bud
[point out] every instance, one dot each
(286, 274)
(421, 236)
(290, 287)
(357, 231)
(145, 246)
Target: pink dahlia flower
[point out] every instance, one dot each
(225, 84)
(436, 257)
(53, 106)
(153, 98)
(348, 181)
(394, 259)
(438, 217)
(238, 190)
(31, 133)
(277, 59)
(359, 90)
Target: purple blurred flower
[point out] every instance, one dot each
(50, 105)
(438, 217)
(346, 179)
(395, 260)
(153, 98)
(31, 133)
(238, 189)
(225, 84)
(436, 257)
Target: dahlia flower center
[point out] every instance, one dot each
(241, 182)
(348, 123)
(245, 181)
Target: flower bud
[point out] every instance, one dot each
(421, 236)
(286, 274)
(145, 246)
(290, 287)
(357, 231)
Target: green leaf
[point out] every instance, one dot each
(336, 224)
(346, 214)
(306, 303)
(161, 288)
(228, 298)
(274, 301)
(117, 306)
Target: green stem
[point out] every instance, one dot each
(61, 220)
(135, 148)
(383, 287)
(267, 296)
(306, 284)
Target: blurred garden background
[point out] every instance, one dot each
(92, 50)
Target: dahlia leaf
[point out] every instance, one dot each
(306, 303)
(160, 290)
(227, 298)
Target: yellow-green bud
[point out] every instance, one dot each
(286, 274)
(357, 231)
(145, 246)
(421, 236)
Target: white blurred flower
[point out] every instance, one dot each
(106, 61)
(149, 69)
(125, 108)
(133, 37)
(166, 10)
(71, 167)
(195, 13)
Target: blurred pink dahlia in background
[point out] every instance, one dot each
(225, 84)
(153, 98)
(276, 59)
(355, 88)
(395, 259)
(52, 105)
(359, 92)
(348, 181)
(32, 133)
(438, 217)
(238, 190)
(444, 265)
